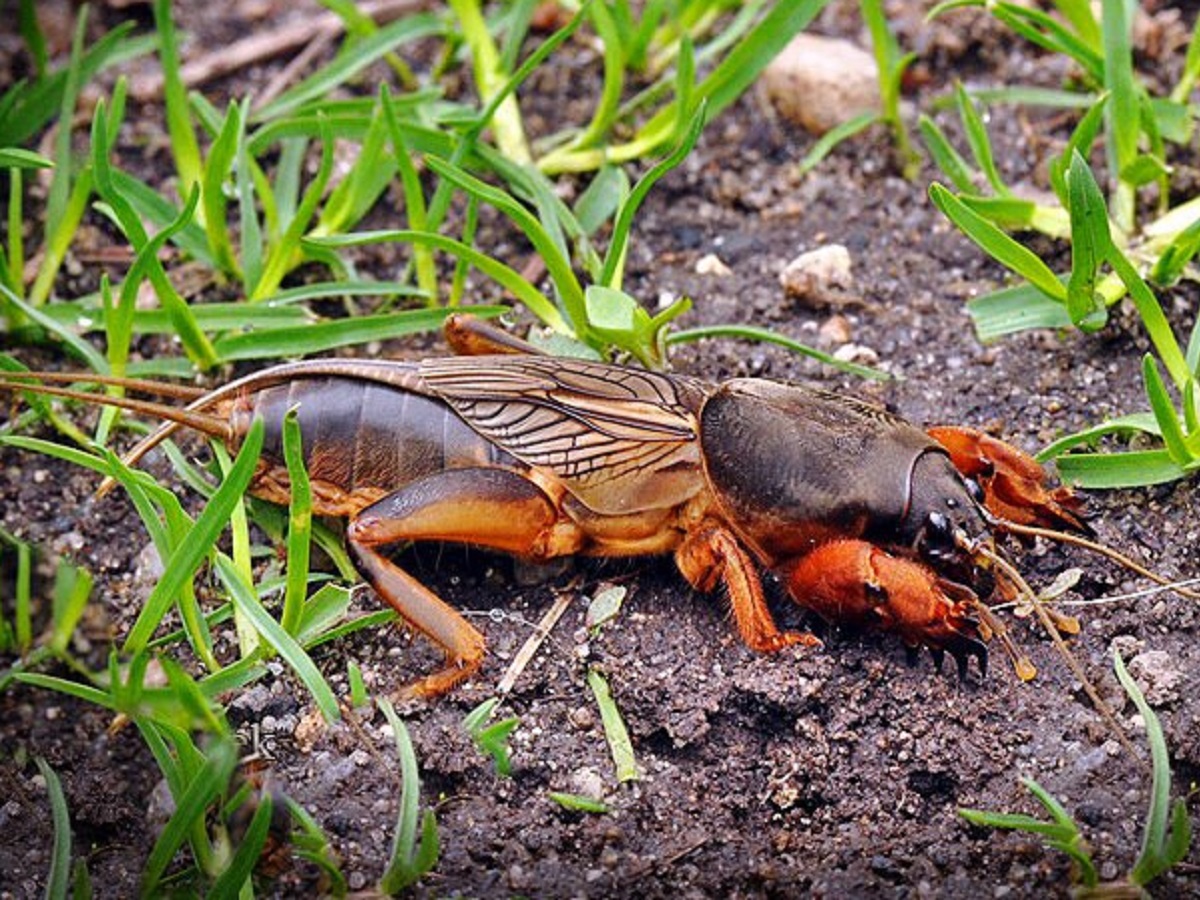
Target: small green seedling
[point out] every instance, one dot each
(411, 857)
(615, 732)
(1166, 836)
(492, 740)
(604, 607)
(578, 802)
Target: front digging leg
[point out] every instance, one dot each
(855, 582)
(494, 508)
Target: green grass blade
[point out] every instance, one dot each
(997, 244)
(507, 277)
(19, 158)
(60, 185)
(1133, 422)
(301, 340)
(406, 29)
(578, 803)
(1091, 243)
(949, 160)
(194, 340)
(59, 876)
(409, 860)
(299, 538)
(1157, 856)
(1045, 31)
(1153, 319)
(614, 728)
(283, 643)
(12, 262)
(505, 117)
(614, 259)
(216, 170)
(190, 809)
(1164, 412)
(754, 333)
(1121, 131)
(188, 555)
(615, 64)
(1014, 309)
(184, 147)
(557, 264)
(414, 197)
(830, 139)
(249, 847)
(160, 211)
(79, 348)
(978, 140)
(1104, 471)
(285, 253)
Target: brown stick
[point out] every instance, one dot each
(267, 45)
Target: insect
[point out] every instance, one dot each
(863, 517)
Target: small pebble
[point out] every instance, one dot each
(817, 276)
(820, 82)
(710, 264)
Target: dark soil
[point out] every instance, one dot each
(833, 772)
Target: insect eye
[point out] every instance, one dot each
(937, 528)
(974, 490)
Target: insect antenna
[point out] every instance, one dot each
(205, 423)
(140, 385)
(1116, 556)
(1010, 572)
(175, 416)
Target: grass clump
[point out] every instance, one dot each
(1114, 253)
(1166, 834)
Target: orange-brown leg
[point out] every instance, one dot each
(855, 582)
(713, 555)
(493, 508)
(1015, 486)
(470, 335)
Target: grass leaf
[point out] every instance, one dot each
(189, 553)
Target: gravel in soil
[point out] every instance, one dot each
(832, 772)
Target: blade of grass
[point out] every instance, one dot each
(1091, 243)
(754, 333)
(299, 524)
(217, 168)
(59, 876)
(1159, 852)
(1164, 412)
(236, 876)
(285, 253)
(190, 809)
(184, 147)
(614, 728)
(406, 29)
(283, 643)
(997, 244)
(300, 340)
(614, 259)
(1121, 132)
(1104, 471)
(506, 277)
(189, 553)
(409, 860)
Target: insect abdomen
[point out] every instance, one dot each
(360, 435)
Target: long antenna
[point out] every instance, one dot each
(1096, 547)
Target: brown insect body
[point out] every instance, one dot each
(864, 517)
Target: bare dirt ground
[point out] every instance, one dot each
(834, 772)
